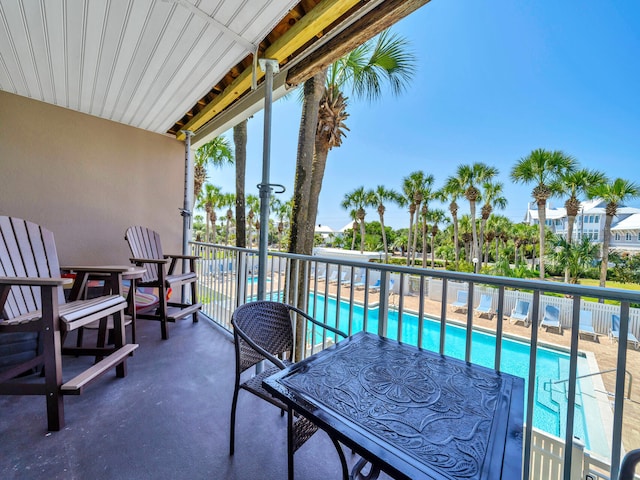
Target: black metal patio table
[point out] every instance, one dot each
(410, 412)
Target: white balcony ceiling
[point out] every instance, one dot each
(139, 62)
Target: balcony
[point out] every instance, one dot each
(592, 380)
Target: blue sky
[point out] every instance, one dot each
(495, 80)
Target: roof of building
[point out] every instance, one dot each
(630, 223)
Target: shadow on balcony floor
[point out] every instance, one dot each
(168, 419)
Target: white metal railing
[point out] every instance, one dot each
(227, 281)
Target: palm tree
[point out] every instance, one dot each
(574, 257)
(358, 200)
(500, 225)
(384, 58)
(469, 177)
(493, 198)
(218, 153)
(410, 186)
(210, 200)
(614, 194)
(380, 196)
(283, 212)
(573, 183)
(228, 200)
(253, 203)
(543, 168)
(436, 216)
(423, 192)
(240, 144)
(452, 191)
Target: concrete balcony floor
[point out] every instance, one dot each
(168, 419)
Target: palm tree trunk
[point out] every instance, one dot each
(481, 243)
(542, 217)
(384, 240)
(570, 219)
(424, 244)
(409, 239)
(240, 144)
(362, 234)
(301, 229)
(415, 236)
(474, 231)
(456, 246)
(604, 265)
(433, 253)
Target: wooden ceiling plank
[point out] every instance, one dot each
(297, 36)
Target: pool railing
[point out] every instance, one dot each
(224, 272)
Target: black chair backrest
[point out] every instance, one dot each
(26, 250)
(145, 243)
(266, 323)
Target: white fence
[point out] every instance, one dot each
(601, 312)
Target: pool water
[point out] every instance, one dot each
(552, 366)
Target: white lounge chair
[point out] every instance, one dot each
(461, 301)
(520, 313)
(586, 324)
(484, 308)
(345, 279)
(360, 283)
(334, 277)
(614, 333)
(551, 318)
(375, 287)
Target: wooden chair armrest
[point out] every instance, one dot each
(185, 257)
(149, 260)
(35, 281)
(98, 268)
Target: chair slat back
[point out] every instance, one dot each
(26, 250)
(145, 243)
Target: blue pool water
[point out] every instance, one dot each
(254, 279)
(552, 366)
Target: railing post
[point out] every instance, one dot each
(383, 305)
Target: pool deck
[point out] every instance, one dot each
(605, 352)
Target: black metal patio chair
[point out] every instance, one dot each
(263, 331)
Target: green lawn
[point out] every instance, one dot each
(610, 284)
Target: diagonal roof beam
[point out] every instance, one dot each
(220, 26)
(308, 27)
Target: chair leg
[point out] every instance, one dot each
(52, 349)
(290, 444)
(343, 460)
(232, 431)
(119, 340)
(162, 312)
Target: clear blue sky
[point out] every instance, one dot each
(495, 80)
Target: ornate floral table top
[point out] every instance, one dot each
(438, 417)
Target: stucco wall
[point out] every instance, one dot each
(88, 179)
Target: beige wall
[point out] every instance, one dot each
(88, 179)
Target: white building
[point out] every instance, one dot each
(625, 228)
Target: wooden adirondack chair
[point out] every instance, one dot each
(147, 252)
(33, 311)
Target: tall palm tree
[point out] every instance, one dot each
(228, 200)
(218, 153)
(240, 144)
(614, 194)
(500, 225)
(358, 199)
(436, 216)
(253, 203)
(493, 198)
(574, 257)
(543, 168)
(380, 196)
(470, 176)
(423, 193)
(574, 183)
(410, 186)
(383, 59)
(210, 200)
(452, 191)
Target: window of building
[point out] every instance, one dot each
(617, 237)
(628, 237)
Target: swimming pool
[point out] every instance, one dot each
(552, 366)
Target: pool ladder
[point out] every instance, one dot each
(627, 372)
